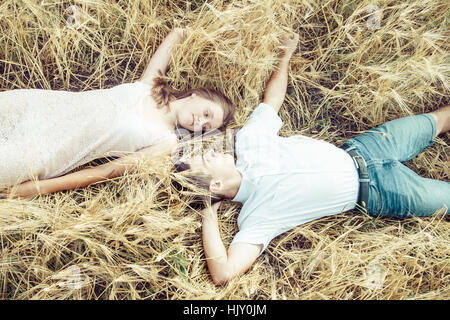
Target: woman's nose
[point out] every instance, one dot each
(199, 121)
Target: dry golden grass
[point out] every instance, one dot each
(138, 238)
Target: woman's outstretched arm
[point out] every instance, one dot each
(85, 177)
(161, 58)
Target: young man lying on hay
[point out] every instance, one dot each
(285, 182)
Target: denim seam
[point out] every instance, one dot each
(430, 141)
(433, 125)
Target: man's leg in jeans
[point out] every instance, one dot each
(427, 195)
(405, 194)
(402, 192)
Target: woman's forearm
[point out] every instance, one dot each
(161, 58)
(78, 179)
(70, 181)
(86, 177)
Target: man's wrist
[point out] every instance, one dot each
(286, 56)
(209, 215)
(179, 33)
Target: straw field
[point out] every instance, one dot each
(359, 64)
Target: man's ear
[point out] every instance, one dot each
(216, 186)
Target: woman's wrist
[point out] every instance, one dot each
(4, 192)
(29, 189)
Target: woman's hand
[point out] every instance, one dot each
(4, 193)
(159, 62)
(24, 190)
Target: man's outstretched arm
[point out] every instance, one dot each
(276, 87)
(223, 265)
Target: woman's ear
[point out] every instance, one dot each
(216, 186)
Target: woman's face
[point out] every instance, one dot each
(199, 114)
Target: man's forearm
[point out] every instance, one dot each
(215, 252)
(212, 242)
(276, 87)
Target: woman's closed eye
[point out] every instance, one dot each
(208, 115)
(206, 127)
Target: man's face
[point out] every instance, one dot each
(219, 165)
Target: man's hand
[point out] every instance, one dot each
(223, 265)
(289, 43)
(182, 33)
(211, 213)
(276, 87)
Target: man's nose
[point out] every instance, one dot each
(210, 154)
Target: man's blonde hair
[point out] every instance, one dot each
(199, 179)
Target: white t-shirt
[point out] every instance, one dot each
(287, 181)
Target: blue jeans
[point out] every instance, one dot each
(394, 189)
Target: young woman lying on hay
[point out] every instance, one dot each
(44, 134)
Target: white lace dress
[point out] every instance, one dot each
(47, 133)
